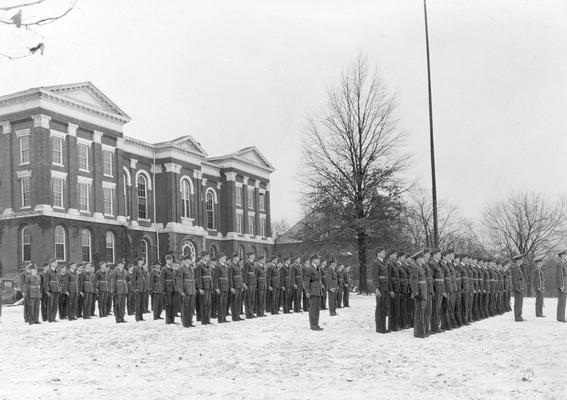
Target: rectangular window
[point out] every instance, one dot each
(57, 150)
(57, 192)
(251, 224)
(83, 157)
(251, 198)
(238, 196)
(24, 150)
(107, 162)
(142, 209)
(239, 223)
(262, 227)
(84, 196)
(262, 202)
(25, 184)
(108, 201)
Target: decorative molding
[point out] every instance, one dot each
(245, 180)
(57, 134)
(188, 179)
(219, 185)
(58, 174)
(176, 227)
(84, 179)
(262, 191)
(257, 184)
(97, 137)
(98, 215)
(119, 143)
(214, 194)
(133, 163)
(156, 169)
(108, 185)
(230, 176)
(106, 147)
(6, 128)
(41, 121)
(8, 212)
(72, 129)
(210, 169)
(204, 181)
(187, 221)
(268, 187)
(43, 208)
(73, 211)
(197, 174)
(246, 238)
(83, 141)
(172, 167)
(23, 174)
(239, 211)
(238, 184)
(122, 219)
(22, 132)
(128, 176)
(146, 175)
(251, 214)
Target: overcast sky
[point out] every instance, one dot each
(239, 73)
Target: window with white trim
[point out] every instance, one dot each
(263, 226)
(83, 151)
(251, 225)
(107, 162)
(24, 149)
(26, 243)
(25, 188)
(185, 198)
(86, 246)
(239, 196)
(60, 243)
(57, 185)
(57, 150)
(109, 246)
(251, 198)
(84, 196)
(210, 210)
(108, 200)
(126, 205)
(142, 197)
(262, 204)
(188, 249)
(144, 249)
(239, 223)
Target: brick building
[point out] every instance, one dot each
(72, 186)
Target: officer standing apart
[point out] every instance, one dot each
(561, 280)
(539, 285)
(187, 289)
(119, 290)
(518, 287)
(314, 292)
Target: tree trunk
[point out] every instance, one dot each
(362, 285)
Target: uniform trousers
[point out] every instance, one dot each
(33, 310)
(436, 312)
(286, 295)
(539, 303)
(235, 304)
(324, 298)
(561, 300)
(169, 307)
(345, 297)
(305, 300)
(72, 306)
(339, 296)
(102, 303)
(332, 302)
(428, 312)
(261, 302)
(222, 299)
(87, 300)
(206, 307)
(275, 294)
(419, 319)
(314, 307)
(44, 306)
(297, 292)
(381, 312)
(139, 305)
(250, 300)
(395, 312)
(119, 306)
(187, 310)
(63, 301)
(157, 304)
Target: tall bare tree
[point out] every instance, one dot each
(525, 223)
(352, 159)
(279, 227)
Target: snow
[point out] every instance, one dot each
(278, 357)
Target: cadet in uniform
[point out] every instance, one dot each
(383, 287)
(341, 278)
(203, 281)
(71, 289)
(131, 296)
(348, 285)
(32, 292)
(304, 269)
(323, 271)
(297, 282)
(53, 289)
(87, 290)
(63, 300)
(418, 285)
(332, 285)
(395, 298)
(518, 287)
(539, 286)
(155, 290)
(235, 283)
(261, 288)
(314, 289)
(119, 290)
(138, 286)
(273, 282)
(44, 287)
(438, 291)
(23, 275)
(167, 283)
(187, 290)
(249, 284)
(220, 285)
(561, 281)
(285, 281)
(102, 289)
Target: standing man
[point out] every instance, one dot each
(155, 289)
(518, 287)
(102, 289)
(438, 291)
(285, 281)
(429, 300)
(297, 282)
(87, 290)
(250, 284)
(341, 278)
(539, 286)
(323, 272)
(332, 286)
(63, 300)
(418, 285)
(80, 300)
(31, 289)
(138, 286)
(71, 289)
(167, 284)
(23, 275)
(383, 287)
(44, 290)
(119, 290)
(187, 290)
(314, 289)
(561, 281)
(261, 288)
(394, 315)
(53, 290)
(304, 269)
(220, 286)
(348, 285)
(203, 280)
(273, 281)
(235, 283)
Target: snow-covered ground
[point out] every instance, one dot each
(278, 357)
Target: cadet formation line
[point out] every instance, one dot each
(431, 291)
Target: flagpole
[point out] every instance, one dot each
(431, 141)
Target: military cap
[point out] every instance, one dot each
(251, 252)
(391, 253)
(261, 258)
(539, 258)
(379, 250)
(304, 258)
(100, 263)
(315, 256)
(141, 257)
(235, 254)
(517, 257)
(186, 256)
(213, 259)
(32, 266)
(562, 252)
(169, 257)
(220, 255)
(417, 255)
(121, 261)
(51, 260)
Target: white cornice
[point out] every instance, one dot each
(23, 132)
(41, 121)
(23, 174)
(58, 174)
(230, 176)
(97, 137)
(60, 135)
(106, 147)
(172, 167)
(72, 129)
(109, 185)
(197, 174)
(6, 127)
(156, 169)
(84, 179)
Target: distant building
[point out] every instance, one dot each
(72, 186)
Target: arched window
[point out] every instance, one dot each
(210, 210)
(144, 250)
(142, 185)
(125, 191)
(109, 247)
(188, 249)
(213, 251)
(60, 243)
(185, 198)
(26, 244)
(241, 252)
(86, 246)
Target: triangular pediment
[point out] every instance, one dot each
(87, 94)
(253, 155)
(187, 143)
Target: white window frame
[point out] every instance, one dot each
(58, 139)
(145, 250)
(251, 225)
(108, 165)
(262, 201)
(188, 244)
(108, 200)
(87, 184)
(109, 234)
(24, 154)
(186, 191)
(144, 197)
(57, 198)
(262, 226)
(25, 241)
(250, 198)
(89, 245)
(63, 243)
(239, 223)
(238, 194)
(25, 177)
(87, 146)
(210, 193)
